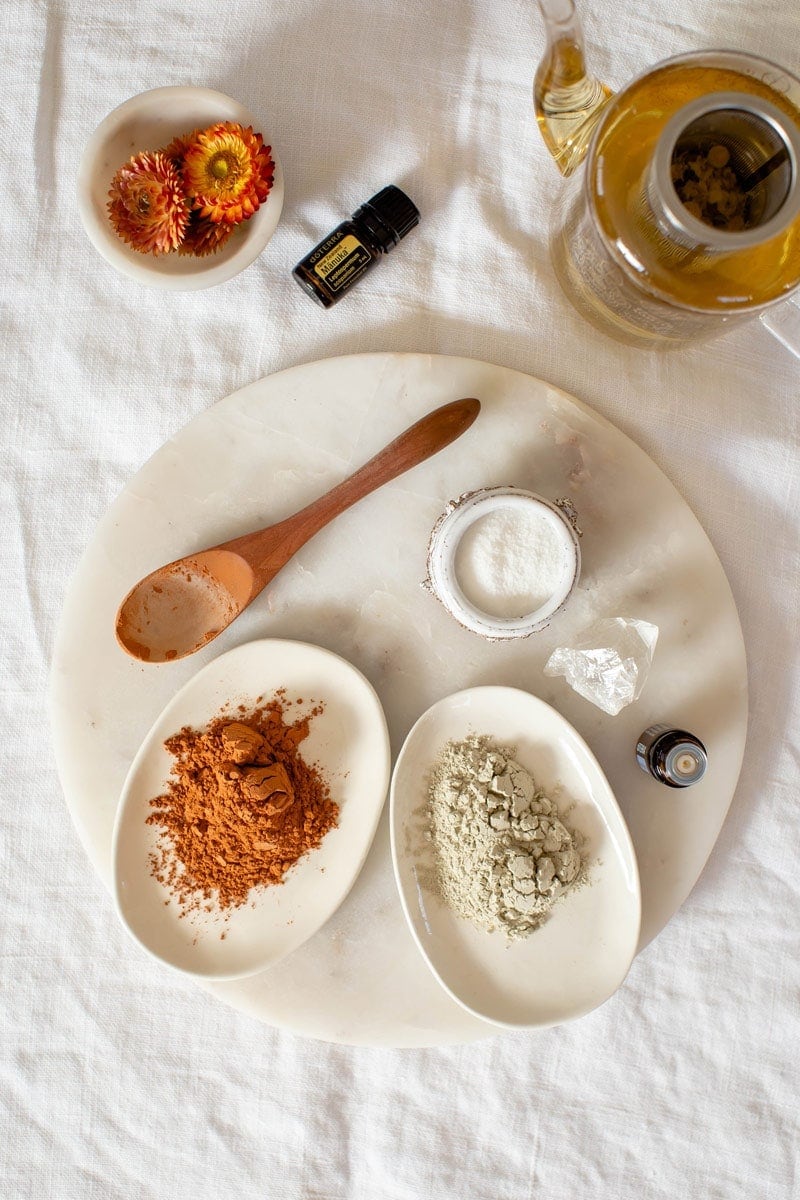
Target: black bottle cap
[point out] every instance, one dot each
(672, 756)
(390, 215)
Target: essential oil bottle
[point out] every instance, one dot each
(672, 756)
(340, 259)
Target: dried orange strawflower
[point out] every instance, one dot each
(203, 236)
(178, 146)
(228, 172)
(147, 204)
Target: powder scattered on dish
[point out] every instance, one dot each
(502, 854)
(241, 807)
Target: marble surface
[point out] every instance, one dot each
(356, 589)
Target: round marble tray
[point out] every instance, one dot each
(275, 445)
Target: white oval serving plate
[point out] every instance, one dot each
(350, 743)
(579, 957)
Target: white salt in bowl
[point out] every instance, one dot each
(504, 561)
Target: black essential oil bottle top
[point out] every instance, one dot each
(672, 756)
(390, 214)
(329, 270)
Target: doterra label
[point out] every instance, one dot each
(341, 264)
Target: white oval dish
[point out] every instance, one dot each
(582, 953)
(349, 741)
(458, 519)
(147, 122)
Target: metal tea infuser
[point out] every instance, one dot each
(635, 255)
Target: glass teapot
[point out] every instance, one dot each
(688, 217)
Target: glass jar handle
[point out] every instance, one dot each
(783, 322)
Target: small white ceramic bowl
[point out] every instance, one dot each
(147, 122)
(446, 537)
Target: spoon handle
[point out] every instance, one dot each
(421, 440)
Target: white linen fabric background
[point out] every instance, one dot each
(122, 1079)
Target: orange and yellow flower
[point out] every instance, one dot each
(177, 148)
(228, 172)
(204, 236)
(147, 204)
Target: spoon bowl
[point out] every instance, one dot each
(182, 606)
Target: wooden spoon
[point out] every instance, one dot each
(182, 606)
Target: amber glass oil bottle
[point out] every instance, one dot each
(329, 271)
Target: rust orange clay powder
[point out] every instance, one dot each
(241, 807)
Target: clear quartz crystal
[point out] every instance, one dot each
(608, 663)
